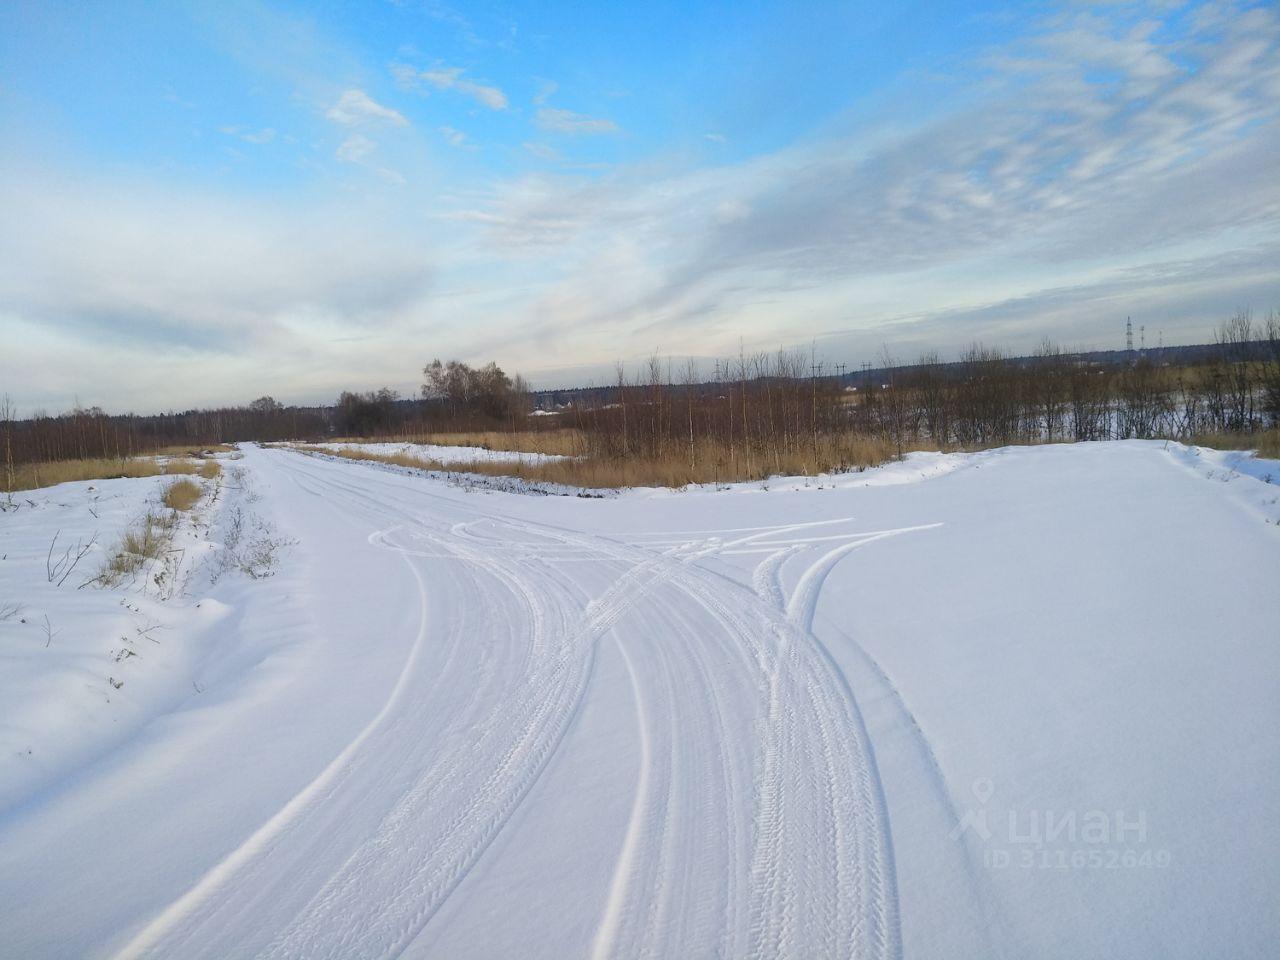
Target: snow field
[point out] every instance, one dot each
(1012, 703)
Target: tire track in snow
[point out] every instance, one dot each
(185, 911)
(786, 857)
(678, 893)
(260, 842)
(774, 926)
(403, 915)
(545, 703)
(708, 858)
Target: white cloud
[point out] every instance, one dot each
(265, 135)
(450, 78)
(1101, 168)
(715, 137)
(356, 107)
(544, 151)
(1149, 149)
(455, 138)
(546, 89)
(248, 289)
(358, 149)
(731, 211)
(355, 148)
(566, 121)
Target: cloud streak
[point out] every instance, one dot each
(566, 121)
(451, 78)
(356, 107)
(1097, 139)
(1103, 164)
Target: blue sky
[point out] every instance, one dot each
(207, 202)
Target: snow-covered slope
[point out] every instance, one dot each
(1018, 703)
(84, 664)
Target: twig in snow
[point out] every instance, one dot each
(62, 568)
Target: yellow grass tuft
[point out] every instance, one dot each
(146, 540)
(210, 470)
(182, 495)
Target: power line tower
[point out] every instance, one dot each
(1128, 336)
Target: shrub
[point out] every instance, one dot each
(182, 495)
(145, 540)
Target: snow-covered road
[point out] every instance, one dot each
(789, 723)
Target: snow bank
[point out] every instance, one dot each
(82, 664)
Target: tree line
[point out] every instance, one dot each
(989, 398)
(764, 413)
(90, 432)
(757, 414)
(454, 396)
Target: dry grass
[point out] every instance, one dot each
(1266, 442)
(182, 495)
(30, 476)
(146, 540)
(563, 442)
(710, 463)
(195, 451)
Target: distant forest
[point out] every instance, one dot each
(758, 405)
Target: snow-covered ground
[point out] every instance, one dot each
(1019, 703)
(82, 664)
(445, 454)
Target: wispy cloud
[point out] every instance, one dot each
(456, 138)
(1099, 139)
(450, 78)
(543, 151)
(546, 89)
(566, 121)
(355, 148)
(265, 135)
(196, 289)
(1098, 166)
(357, 107)
(359, 150)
